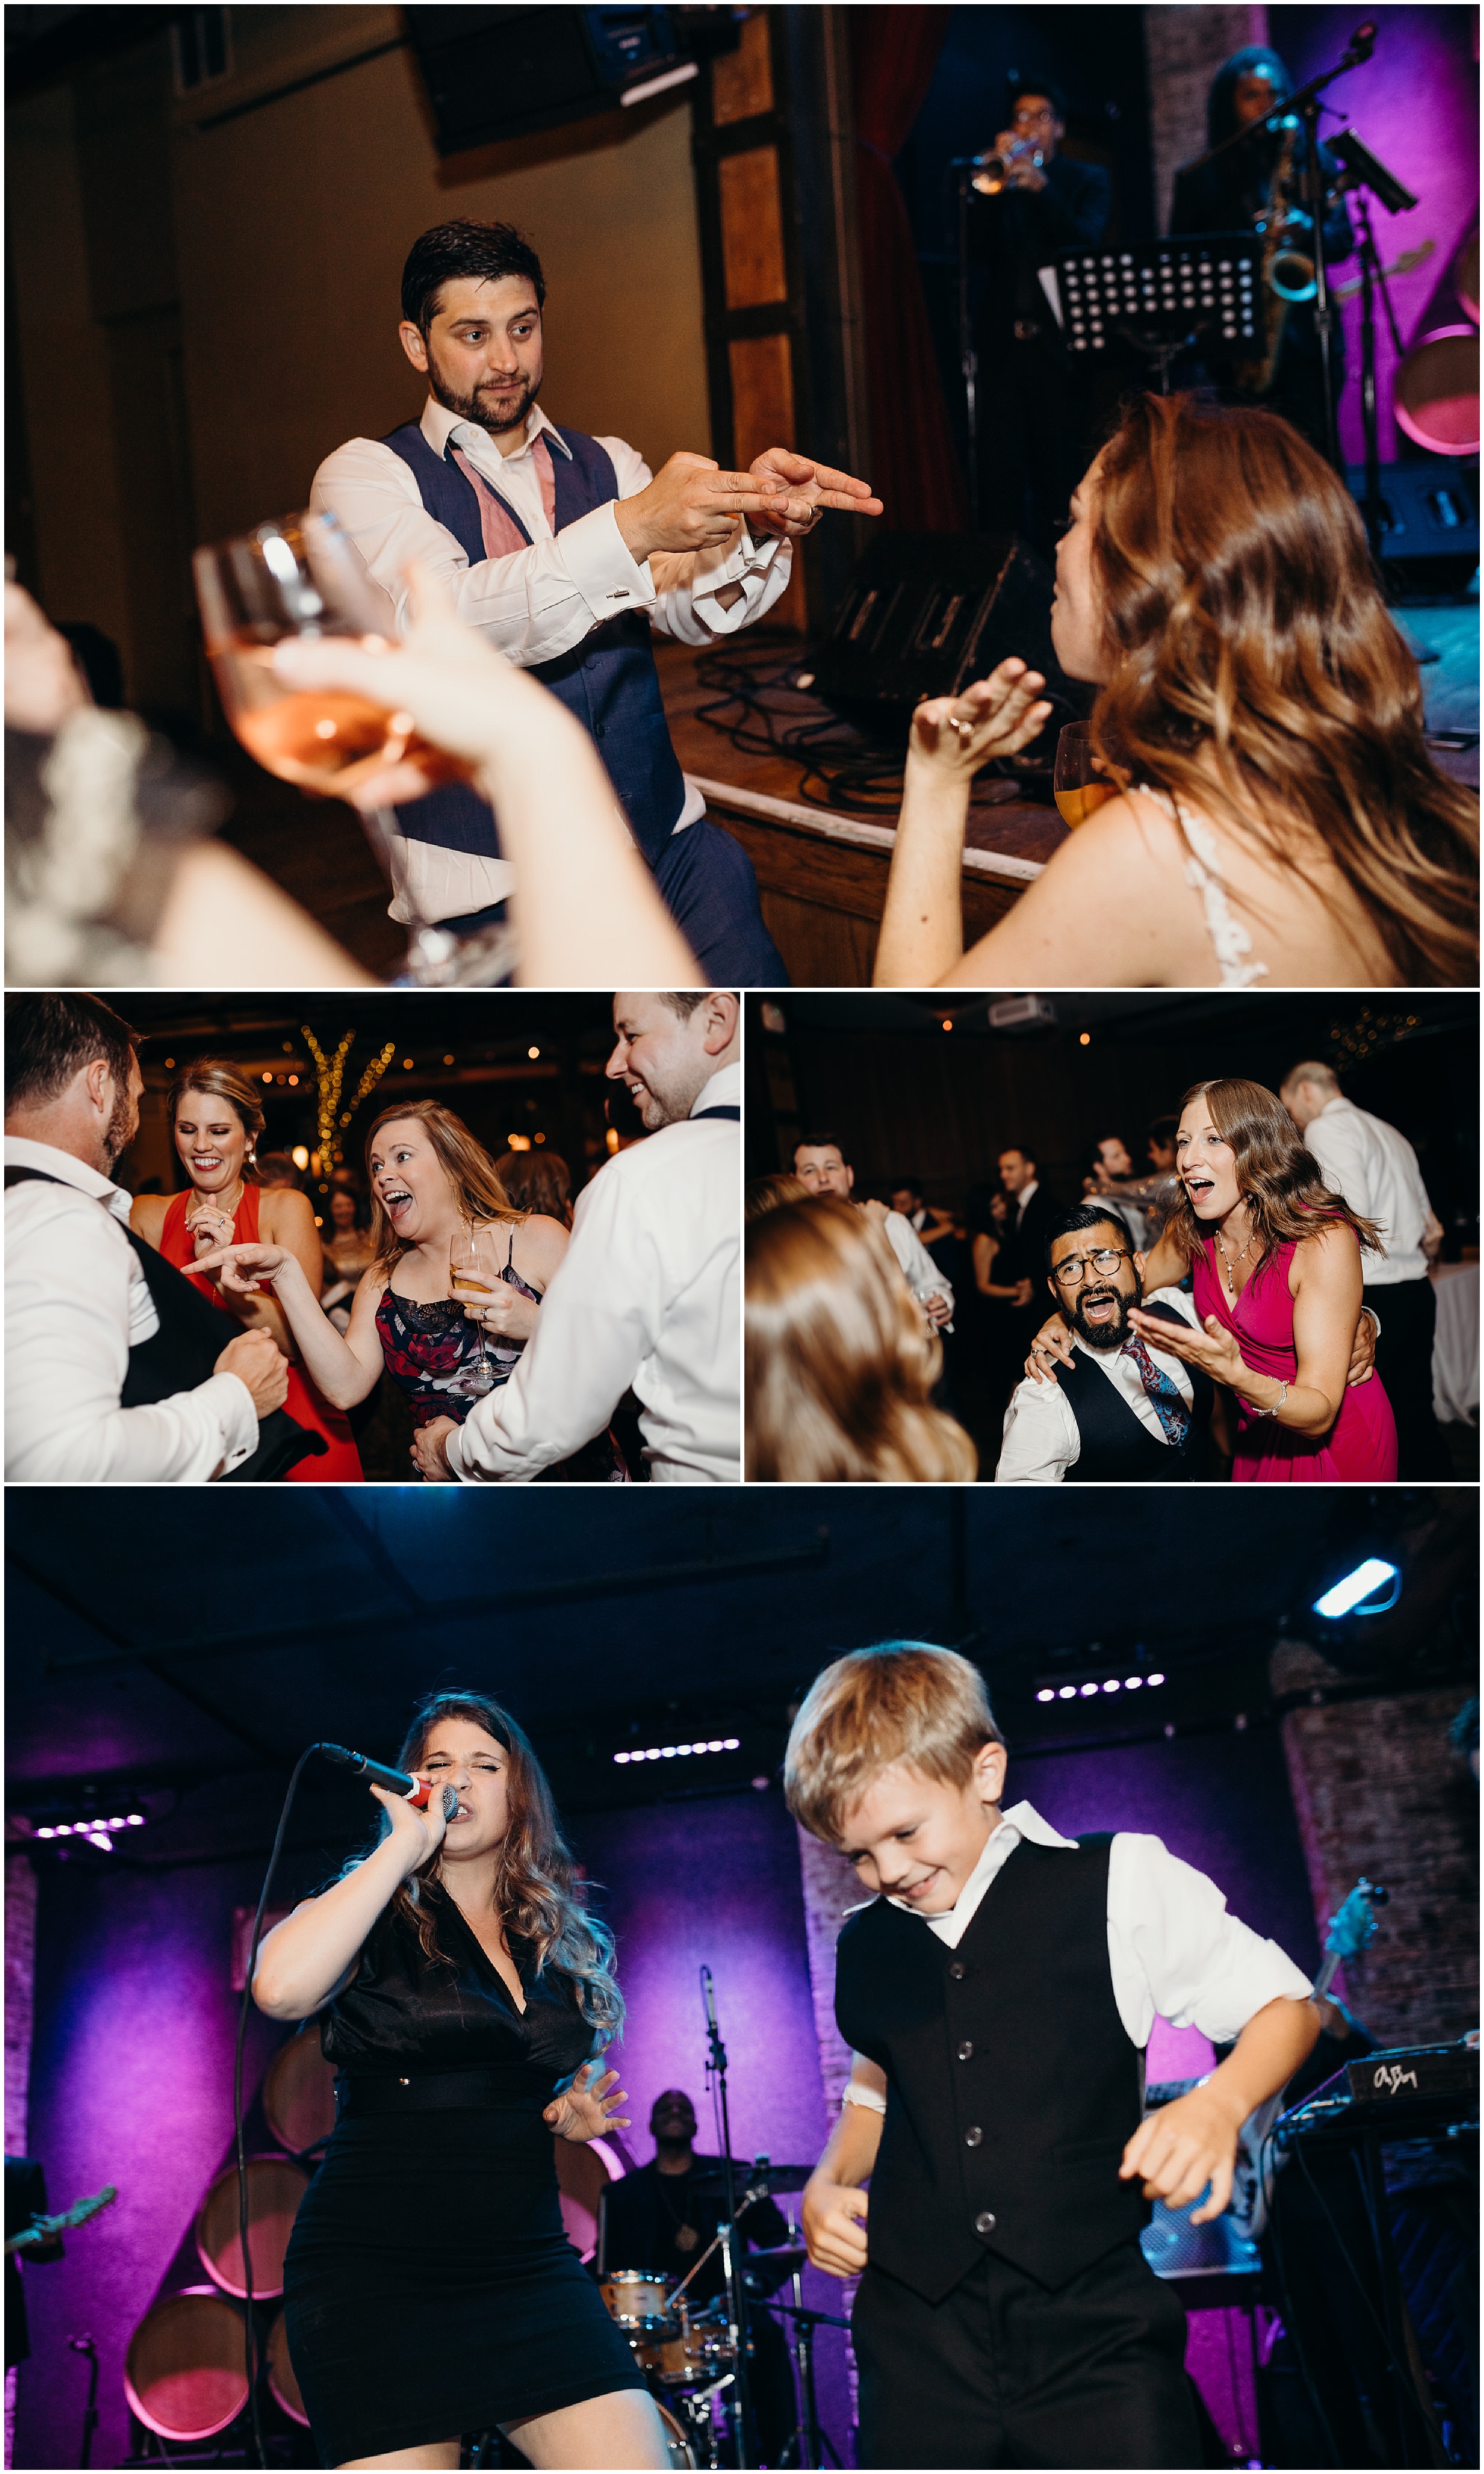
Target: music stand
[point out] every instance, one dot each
(1160, 298)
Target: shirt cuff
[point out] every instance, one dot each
(232, 1402)
(601, 566)
(746, 562)
(865, 2097)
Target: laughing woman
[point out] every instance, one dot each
(430, 1181)
(215, 1124)
(1273, 1259)
(465, 1997)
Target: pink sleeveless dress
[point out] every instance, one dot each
(1360, 1448)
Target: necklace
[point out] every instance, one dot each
(686, 2235)
(209, 1202)
(1230, 1261)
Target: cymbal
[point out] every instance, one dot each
(768, 2270)
(745, 2175)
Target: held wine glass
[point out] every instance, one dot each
(474, 1276)
(1077, 785)
(300, 575)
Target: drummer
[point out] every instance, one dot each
(662, 2216)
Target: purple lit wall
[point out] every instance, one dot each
(131, 2083)
(717, 1882)
(1415, 103)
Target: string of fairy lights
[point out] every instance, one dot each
(330, 1078)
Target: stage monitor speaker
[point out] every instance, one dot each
(1429, 524)
(925, 615)
(497, 73)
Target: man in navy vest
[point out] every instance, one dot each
(1122, 1412)
(564, 552)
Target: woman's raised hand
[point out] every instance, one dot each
(418, 1832)
(997, 717)
(589, 2107)
(244, 1268)
(1213, 1347)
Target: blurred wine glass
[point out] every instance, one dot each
(474, 1277)
(1078, 784)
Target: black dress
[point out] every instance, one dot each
(430, 2289)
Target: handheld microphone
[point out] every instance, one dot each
(708, 1991)
(395, 1781)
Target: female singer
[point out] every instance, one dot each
(1273, 812)
(430, 2287)
(430, 1181)
(215, 1123)
(1274, 1260)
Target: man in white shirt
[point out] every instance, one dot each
(1123, 1413)
(819, 1163)
(648, 1296)
(564, 552)
(77, 1302)
(1375, 1170)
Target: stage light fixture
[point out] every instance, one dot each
(681, 1752)
(1090, 1688)
(1347, 1596)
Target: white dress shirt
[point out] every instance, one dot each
(76, 1303)
(1375, 1170)
(535, 603)
(649, 1299)
(1173, 1950)
(917, 1264)
(1042, 1437)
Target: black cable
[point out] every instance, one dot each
(252, 2361)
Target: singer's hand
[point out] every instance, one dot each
(589, 2107)
(419, 1834)
(836, 2241)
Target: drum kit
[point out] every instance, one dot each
(695, 2356)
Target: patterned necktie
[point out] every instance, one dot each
(1162, 1390)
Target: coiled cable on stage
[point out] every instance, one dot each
(239, 2135)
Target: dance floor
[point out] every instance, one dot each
(822, 869)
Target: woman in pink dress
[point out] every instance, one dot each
(1274, 1261)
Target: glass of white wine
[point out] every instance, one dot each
(474, 1277)
(300, 575)
(1079, 786)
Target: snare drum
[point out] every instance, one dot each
(639, 2301)
(697, 2352)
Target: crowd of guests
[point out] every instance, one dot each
(1249, 1300)
(224, 1332)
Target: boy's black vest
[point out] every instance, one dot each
(609, 680)
(1013, 2086)
(1116, 1445)
(184, 1351)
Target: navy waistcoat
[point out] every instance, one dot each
(1116, 1446)
(1011, 2085)
(608, 680)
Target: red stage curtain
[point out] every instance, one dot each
(913, 466)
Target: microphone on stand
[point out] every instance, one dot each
(395, 1781)
(709, 1992)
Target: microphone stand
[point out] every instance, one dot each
(736, 2295)
(88, 2346)
(968, 357)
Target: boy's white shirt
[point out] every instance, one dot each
(1173, 1950)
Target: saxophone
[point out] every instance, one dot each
(1287, 273)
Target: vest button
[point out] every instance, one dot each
(958, 1971)
(973, 2138)
(599, 730)
(986, 2222)
(966, 2050)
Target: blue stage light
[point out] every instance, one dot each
(1348, 1596)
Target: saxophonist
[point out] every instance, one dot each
(1243, 189)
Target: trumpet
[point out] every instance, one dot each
(991, 172)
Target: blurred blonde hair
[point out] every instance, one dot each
(839, 1362)
(901, 1701)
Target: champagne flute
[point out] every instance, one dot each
(473, 1275)
(300, 575)
(1078, 786)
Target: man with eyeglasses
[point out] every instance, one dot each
(1120, 1412)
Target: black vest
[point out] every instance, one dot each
(1011, 2085)
(184, 1351)
(1116, 1446)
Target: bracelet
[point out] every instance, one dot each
(1269, 1413)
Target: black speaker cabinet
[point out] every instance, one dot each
(1429, 522)
(925, 615)
(499, 73)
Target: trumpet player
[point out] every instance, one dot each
(1027, 203)
(1257, 186)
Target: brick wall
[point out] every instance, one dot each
(1378, 1790)
(1186, 47)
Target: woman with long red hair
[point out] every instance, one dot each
(1279, 818)
(216, 1124)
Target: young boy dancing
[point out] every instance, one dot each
(998, 1992)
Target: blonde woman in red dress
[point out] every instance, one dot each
(215, 1123)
